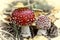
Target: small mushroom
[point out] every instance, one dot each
(43, 24)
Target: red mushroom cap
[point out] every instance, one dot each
(43, 22)
(23, 16)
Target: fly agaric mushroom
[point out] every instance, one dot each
(43, 23)
(23, 17)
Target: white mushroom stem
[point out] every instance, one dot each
(25, 31)
(42, 32)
